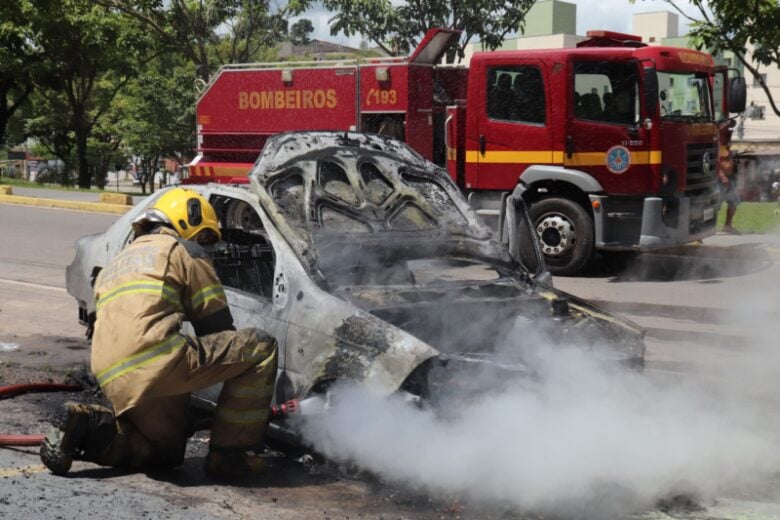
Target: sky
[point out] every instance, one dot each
(612, 15)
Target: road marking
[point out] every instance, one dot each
(27, 470)
(35, 285)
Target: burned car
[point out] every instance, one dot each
(367, 264)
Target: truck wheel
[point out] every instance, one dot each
(565, 232)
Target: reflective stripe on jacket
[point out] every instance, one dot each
(142, 298)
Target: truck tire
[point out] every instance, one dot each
(565, 232)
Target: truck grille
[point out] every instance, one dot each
(698, 176)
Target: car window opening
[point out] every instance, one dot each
(244, 259)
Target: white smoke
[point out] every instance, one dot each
(586, 438)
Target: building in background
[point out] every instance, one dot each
(655, 27)
(550, 24)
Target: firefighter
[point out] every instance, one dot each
(147, 367)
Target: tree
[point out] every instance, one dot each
(736, 25)
(18, 62)
(209, 33)
(50, 124)
(89, 53)
(159, 111)
(300, 31)
(105, 142)
(398, 27)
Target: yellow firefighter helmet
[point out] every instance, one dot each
(187, 212)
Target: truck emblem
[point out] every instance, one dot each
(705, 163)
(618, 159)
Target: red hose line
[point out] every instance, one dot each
(21, 440)
(8, 391)
(12, 390)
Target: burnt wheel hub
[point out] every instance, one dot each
(556, 234)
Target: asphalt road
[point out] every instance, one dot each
(701, 306)
(36, 244)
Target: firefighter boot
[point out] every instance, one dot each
(233, 462)
(79, 432)
(66, 438)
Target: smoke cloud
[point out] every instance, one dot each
(582, 438)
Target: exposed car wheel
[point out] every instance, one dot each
(565, 232)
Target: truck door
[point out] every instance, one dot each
(605, 136)
(514, 128)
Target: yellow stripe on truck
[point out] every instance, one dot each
(526, 157)
(600, 158)
(555, 157)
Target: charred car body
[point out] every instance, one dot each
(367, 264)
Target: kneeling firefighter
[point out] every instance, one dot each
(147, 367)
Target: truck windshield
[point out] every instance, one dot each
(684, 96)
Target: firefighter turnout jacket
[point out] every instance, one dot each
(147, 367)
(142, 298)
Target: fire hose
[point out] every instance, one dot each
(282, 410)
(287, 409)
(14, 390)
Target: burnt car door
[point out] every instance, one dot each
(246, 262)
(518, 235)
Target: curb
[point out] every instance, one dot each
(99, 207)
(116, 198)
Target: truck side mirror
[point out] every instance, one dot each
(651, 91)
(518, 235)
(737, 95)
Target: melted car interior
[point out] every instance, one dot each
(244, 259)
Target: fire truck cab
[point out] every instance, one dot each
(614, 145)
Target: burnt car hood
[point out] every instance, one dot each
(494, 316)
(381, 228)
(329, 188)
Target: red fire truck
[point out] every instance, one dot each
(614, 144)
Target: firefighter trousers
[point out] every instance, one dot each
(155, 432)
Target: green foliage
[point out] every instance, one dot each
(209, 33)
(160, 113)
(50, 124)
(19, 58)
(89, 53)
(38, 183)
(99, 81)
(736, 26)
(399, 26)
(300, 31)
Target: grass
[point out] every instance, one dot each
(754, 217)
(51, 186)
